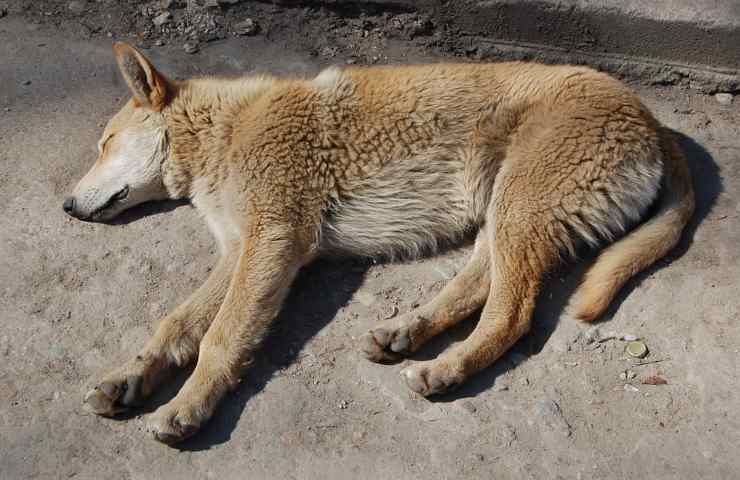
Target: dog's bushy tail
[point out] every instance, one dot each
(645, 244)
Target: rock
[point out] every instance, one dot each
(724, 98)
(654, 380)
(77, 7)
(636, 349)
(191, 47)
(246, 27)
(630, 388)
(551, 417)
(162, 18)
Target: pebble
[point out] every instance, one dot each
(162, 18)
(190, 47)
(627, 375)
(246, 27)
(630, 388)
(636, 349)
(552, 417)
(76, 6)
(724, 98)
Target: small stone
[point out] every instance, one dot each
(246, 27)
(630, 388)
(343, 405)
(654, 380)
(190, 47)
(76, 6)
(162, 18)
(27, 82)
(628, 337)
(627, 375)
(724, 98)
(636, 349)
(159, 42)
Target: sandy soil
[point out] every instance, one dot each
(76, 298)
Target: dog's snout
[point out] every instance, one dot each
(69, 205)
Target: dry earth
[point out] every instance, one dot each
(76, 298)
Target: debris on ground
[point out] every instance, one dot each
(246, 27)
(723, 98)
(627, 375)
(636, 349)
(654, 380)
(190, 47)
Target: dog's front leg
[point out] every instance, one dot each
(174, 344)
(268, 262)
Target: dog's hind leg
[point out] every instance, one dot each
(174, 344)
(520, 253)
(460, 298)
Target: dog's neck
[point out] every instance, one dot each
(200, 120)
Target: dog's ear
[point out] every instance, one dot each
(149, 87)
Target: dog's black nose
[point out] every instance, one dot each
(69, 205)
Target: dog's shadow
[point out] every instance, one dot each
(323, 288)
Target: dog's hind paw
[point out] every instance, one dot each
(171, 425)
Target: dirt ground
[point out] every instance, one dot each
(566, 402)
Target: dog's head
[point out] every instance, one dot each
(128, 170)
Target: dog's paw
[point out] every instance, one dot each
(171, 424)
(431, 378)
(386, 344)
(115, 395)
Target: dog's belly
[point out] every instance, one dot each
(410, 207)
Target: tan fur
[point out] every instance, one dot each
(389, 162)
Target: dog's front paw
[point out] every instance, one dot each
(114, 395)
(431, 378)
(171, 424)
